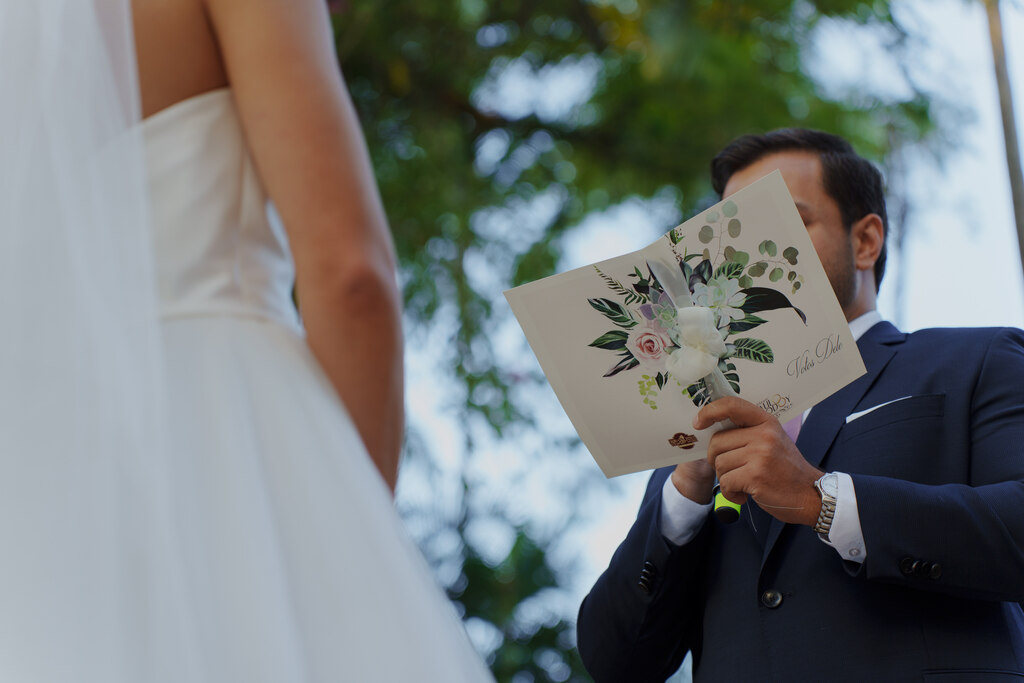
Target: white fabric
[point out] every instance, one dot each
(89, 581)
(182, 495)
(845, 535)
(299, 569)
(861, 413)
(681, 518)
(700, 345)
(863, 323)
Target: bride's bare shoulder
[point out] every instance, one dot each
(188, 47)
(177, 52)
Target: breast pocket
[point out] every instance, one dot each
(973, 676)
(895, 414)
(893, 439)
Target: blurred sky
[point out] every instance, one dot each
(961, 267)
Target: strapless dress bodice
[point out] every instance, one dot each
(219, 248)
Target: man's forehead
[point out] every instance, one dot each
(798, 167)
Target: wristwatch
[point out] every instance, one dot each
(828, 489)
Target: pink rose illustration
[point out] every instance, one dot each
(649, 342)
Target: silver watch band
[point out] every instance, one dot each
(828, 509)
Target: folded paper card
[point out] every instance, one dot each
(733, 300)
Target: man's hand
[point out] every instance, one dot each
(695, 480)
(758, 459)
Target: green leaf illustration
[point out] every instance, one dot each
(753, 349)
(748, 322)
(615, 339)
(791, 276)
(699, 393)
(686, 269)
(770, 248)
(790, 254)
(776, 274)
(796, 286)
(734, 227)
(729, 252)
(729, 370)
(740, 257)
(729, 208)
(613, 311)
(711, 217)
(702, 273)
(661, 378)
(707, 255)
(642, 287)
(758, 269)
(706, 234)
(629, 295)
(675, 235)
(627, 363)
(746, 281)
(767, 299)
(729, 269)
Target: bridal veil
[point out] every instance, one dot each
(80, 360)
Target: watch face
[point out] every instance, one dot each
(830, 484)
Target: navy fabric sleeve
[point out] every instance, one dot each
(966, 538)
(643, 613)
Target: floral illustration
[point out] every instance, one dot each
(728, 289)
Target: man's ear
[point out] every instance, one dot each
(867, 236)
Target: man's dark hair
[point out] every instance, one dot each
(852, 181)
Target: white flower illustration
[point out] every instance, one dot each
(723, 296)
(700, 345)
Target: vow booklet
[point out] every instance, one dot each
(734, 300)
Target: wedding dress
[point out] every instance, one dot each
(183, 497)
(296, 565)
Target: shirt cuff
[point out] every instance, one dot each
(681, 518)
(845, 535)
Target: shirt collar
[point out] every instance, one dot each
(859, 326)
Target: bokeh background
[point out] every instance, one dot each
(513, 139)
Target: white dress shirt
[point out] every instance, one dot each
(681, 518)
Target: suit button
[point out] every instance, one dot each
(935, 571)
(647, 575)
(907, 566)
(771, 598)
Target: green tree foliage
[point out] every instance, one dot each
(674, 82)
(482, 178)
(531, 649)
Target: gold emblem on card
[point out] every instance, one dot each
(683, 440)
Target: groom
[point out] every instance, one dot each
(882, 539)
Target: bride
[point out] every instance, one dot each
(195, 485)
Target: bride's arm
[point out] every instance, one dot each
(308, 147)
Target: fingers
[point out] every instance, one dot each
(745, 458)
(694, 480)
(757, 460)
(742, 413)
(733, 470)
(761, 439)
(733, 496)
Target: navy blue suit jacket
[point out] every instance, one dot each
(939, 479)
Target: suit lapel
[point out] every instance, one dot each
(877, 347)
